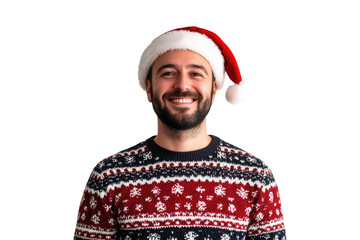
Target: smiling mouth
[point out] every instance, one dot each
(182, 100)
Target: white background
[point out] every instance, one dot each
(70, 97)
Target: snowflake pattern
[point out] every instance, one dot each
(95, 219)
(101, 164)
(125, 209)
(93, 202)
(254, 194)
(220, 190)
(177, 189)
(153, 236)
(221, 155)
(247, 211)
(200, 189)
(259, 217)
(225, 237)
(188, 206)
(156, 190)
(147, 156)
(201, 205)
(135, 192)
(191, 235)
(107, 207)
(130, 159)
(252, 159)
(112, 222)
(232, 208)
(242, 193)
(139, 207)
(160, 206)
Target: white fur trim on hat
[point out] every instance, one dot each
(177, 40)
(234, 94)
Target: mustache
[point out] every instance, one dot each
(178, 93)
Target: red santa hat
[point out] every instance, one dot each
(202, 41)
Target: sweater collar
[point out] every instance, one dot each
(200, 154)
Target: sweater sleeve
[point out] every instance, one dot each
(96, 217)
(266, 219)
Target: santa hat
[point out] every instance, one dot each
(202, 41)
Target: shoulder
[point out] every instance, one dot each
(240, 156)
(245, 162)
(123, 159)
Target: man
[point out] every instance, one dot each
(182, 183)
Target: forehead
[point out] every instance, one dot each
(181, 58)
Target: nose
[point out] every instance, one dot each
(182, 83)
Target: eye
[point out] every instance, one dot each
(196, 74)
(167, 74)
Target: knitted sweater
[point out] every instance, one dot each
(146, 192)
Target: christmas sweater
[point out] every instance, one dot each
(147, 192)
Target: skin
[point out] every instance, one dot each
(181, 71)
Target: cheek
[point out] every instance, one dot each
(160, 89)
(205, 90)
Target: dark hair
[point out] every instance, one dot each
(149, 75)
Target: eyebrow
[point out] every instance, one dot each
(198, 67)
(165, 66)
(188, 66)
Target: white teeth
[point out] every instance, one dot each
(180, 100)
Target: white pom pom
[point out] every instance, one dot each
(233, 94)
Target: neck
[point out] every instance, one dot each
(182, 140)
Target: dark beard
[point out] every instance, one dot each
(183, 121)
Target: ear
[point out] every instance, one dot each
(148, 89)
(214, 91)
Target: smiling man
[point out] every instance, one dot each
(182, 183)
(182, 89)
